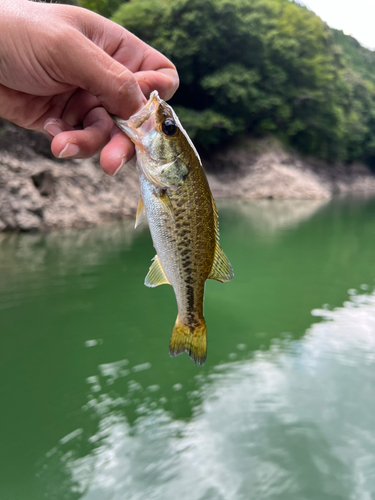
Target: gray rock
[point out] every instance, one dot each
(41, 194)
(263, 169)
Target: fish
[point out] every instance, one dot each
(182, 217)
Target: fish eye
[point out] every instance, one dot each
(169, 127)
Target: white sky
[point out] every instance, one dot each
(353, 17)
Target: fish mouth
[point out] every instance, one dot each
(140, 124)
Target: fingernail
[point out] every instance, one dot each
(52, 128)
(69, 150)
(123, 161)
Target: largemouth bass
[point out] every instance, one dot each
(182, 216)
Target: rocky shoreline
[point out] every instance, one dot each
(264, 169)
(40, 193)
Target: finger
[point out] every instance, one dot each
(165, 81)
(122, 45)
(87, 66)
(55, 126)
(135, 55)
(117, 152)
(29, 111)
(78, 107)
(156, 72)
(87, 142)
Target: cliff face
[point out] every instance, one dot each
(264, 169)
(40, 193)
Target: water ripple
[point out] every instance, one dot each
(294, 422)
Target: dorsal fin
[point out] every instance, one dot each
(216, 219)
(140, 217)
(221, 268)
(155, 275)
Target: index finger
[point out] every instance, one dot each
(88, 67)
(152, 69)
(165, 81)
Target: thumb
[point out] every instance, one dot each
(87, 66)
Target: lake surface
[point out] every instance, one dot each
(93, 407)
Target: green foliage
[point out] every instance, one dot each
(103, 7)
(258, 66)
(360, 59)
(207, 127)
(142, 19)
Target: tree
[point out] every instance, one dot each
(103, 7)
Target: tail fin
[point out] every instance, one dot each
(193, 341)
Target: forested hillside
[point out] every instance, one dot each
(260, 66)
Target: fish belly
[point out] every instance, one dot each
(185, 246)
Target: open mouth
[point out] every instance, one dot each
(140, 124)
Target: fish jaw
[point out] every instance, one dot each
(138, 126)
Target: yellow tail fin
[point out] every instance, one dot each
(193, 341)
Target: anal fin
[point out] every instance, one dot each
(221, 268)
(156, 275)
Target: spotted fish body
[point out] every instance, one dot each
(182, 217)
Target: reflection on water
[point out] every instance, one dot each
(289, 423)
(29, 252)
(272, 215)
(283, 409)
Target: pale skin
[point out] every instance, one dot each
(64, 70)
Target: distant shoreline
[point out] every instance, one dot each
(38, 193)
(261, 169)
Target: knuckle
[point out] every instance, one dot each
(123, 80)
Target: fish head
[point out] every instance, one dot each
(163, 148)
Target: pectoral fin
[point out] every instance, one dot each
(166, 168)
(174, 173)
(221, 268)
(166, 202)
(155, 275)
(140, 217)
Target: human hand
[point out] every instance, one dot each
(63, 69)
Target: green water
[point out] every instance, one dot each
(93, 407)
